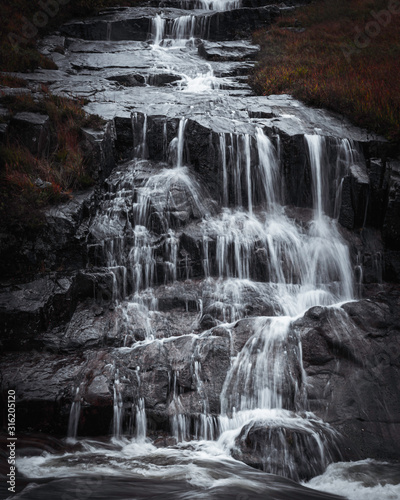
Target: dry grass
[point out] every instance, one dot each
(323, 66)
(64, 169)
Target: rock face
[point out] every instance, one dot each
(353, 366)
(32, 130)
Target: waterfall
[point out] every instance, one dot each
(158, 27)
(316, 149)
(118, 408)
(141, 421)
(222, 146)
(183, 28)
(74, 416)
(181, 141)
(268, 167)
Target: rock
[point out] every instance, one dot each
(391, 224)
(3, 132)
(32, 130)
(128, 80)
(352, 363)
(41, 184)
(133, 24)
(287, 446)
(27, 310)
(355, 196)
(228, 51)
(99, 151)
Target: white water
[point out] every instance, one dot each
(363, 480)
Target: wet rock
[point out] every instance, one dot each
(27, 310)
(352, 361)
(279, 446)
(228, 51)
(99, 151)
(133, 24)
(31, 130)
(355, 195)
(128, 80)
(41, 382)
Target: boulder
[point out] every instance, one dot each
(31, 130)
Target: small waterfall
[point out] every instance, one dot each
(180, 424)
(264, 373)
(139, 139)
(247, 155)
(140, 413)
(222, 147)
(220, 5)
(181, 141)
(118, 408)
(158, 28)
(268, 165)
(184, 27)
(266, 389)
(141, 421)
(316, 149)
(74, 416)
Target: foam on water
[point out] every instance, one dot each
(363, 480)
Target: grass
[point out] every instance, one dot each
(323, 64)
(64, 170)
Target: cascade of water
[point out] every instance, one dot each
(316, 150)
(140, 417)
(179, 420)
(220, 5)
(222, 147)
(237, 183)
(184, 27)
(158, 28)
(139, 139)
(181, 141)
(247, 156)
(118, 408)
(74, 416)
(267, 373)
(268, 167)
(141, 421)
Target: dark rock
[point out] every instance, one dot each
(277, 448)
(227, 51)
(32, 130)
(99, 151)
(128, 80)
(352, 362)
(29, 309)
(355, 197)
(391, 225)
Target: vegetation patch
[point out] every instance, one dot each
(340, 55)
(30, 182)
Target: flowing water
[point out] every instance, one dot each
(254, 260)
